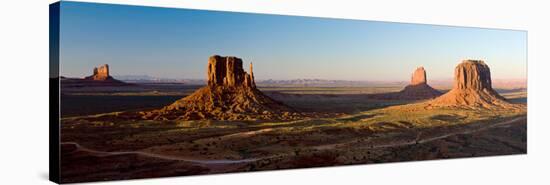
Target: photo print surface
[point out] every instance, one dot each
(148, 92)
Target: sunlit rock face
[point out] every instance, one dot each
(419, 76)
(472, 75)
(228, 72)
(100, 73)
(472, 88)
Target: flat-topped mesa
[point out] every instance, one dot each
(418, 76)
(472, 75)
(228, 72)
(100, 73)
(472, 88)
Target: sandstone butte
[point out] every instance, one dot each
(418, 88)
(472, 88)
(100, 74)
(419, 76)
(100, 77)
(230, 94)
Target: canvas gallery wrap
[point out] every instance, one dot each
(143, 92)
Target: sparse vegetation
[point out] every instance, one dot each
(363, 133)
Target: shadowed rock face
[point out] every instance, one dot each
(418, 92)
(100, 73)
(472, 88)
(419, 88)
(419, 76)
(231, 94)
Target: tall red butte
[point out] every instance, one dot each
(472, 88)
(230, 94)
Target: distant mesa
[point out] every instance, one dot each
(100, 73)
(472, 88)
(418, 89)
(231, 94)
(99, 77)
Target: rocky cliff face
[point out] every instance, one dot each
(472, 75)
(228, 72)
(418, 76)
(100, 73)
(231, 94)
(472, 88)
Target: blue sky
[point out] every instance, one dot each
(176, 43)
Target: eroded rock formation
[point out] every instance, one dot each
(100, 77)
(473, 75)
(472, 87)
(418, 76)
(230, 94)
(418, 89)
(228, 72)
(100, 73)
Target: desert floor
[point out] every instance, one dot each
(365, 131)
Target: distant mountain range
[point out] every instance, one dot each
(324, 83)
(135, 77)
(151, 79)
(446, 83)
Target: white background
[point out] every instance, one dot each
(24, 91)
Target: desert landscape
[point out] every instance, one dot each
(113, 130)
(147, 92)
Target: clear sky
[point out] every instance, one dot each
(176, 43)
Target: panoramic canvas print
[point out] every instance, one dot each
(143, 92)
